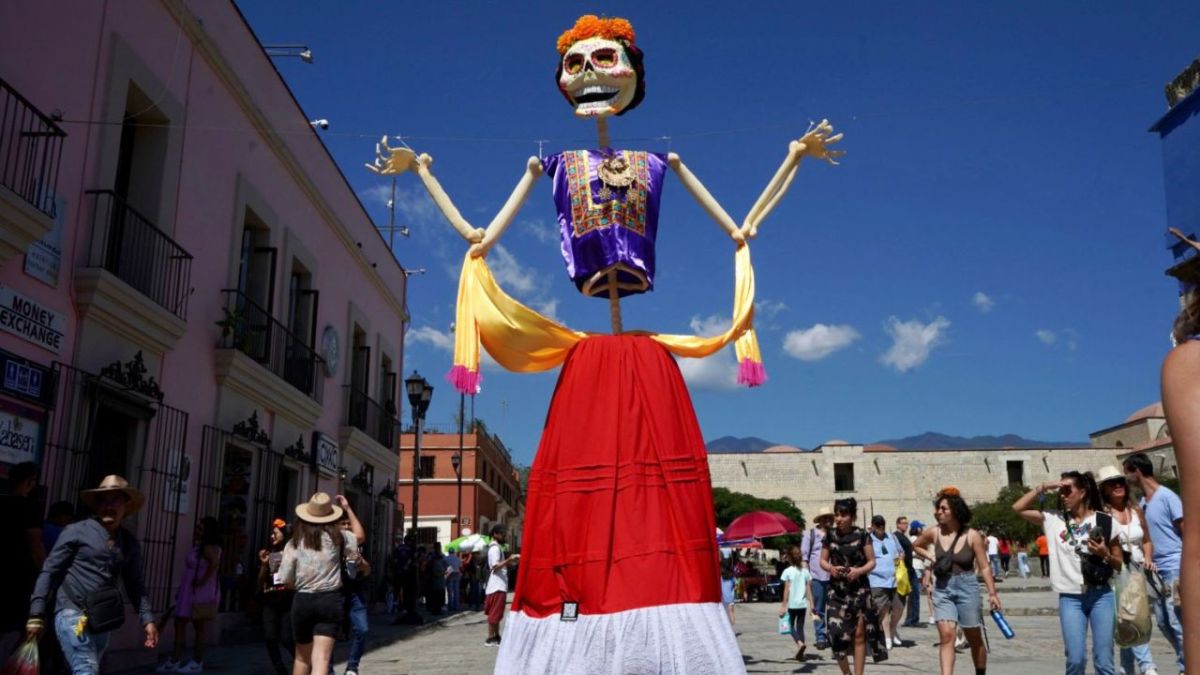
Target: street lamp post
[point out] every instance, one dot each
(456, 460)
(419, 394)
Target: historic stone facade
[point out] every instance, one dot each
(894, 482)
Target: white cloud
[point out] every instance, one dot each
(717, 372)
(1047, 336)
(538, 229)
(549, 308)
(413, 204)
(983, 302)
(444, 341)
(912, 341)
(711, 325)
(814, 344)
(768, 308)
(510, 273)
(432, 337)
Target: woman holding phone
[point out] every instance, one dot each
(1084, 551)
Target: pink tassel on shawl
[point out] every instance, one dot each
(464, 381)
(751, 373)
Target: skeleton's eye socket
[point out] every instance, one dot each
(604, 58)
(573, 63)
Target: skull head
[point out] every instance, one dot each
(601, 77)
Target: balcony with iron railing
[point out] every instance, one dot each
(367, 415)
(251, 330)
(31, 147)
(30, 150)
(132, 248)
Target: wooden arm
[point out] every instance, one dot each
(504, 218)
(704, 198)
(471, 234)
(778, 185)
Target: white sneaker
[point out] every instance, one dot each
(168, 666)
(191, 667)
(896, 639)
(931, 621)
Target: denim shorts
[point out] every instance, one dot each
(956, 599)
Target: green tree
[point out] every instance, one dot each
(729, 505)
(998, 515)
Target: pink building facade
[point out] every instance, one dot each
(191, 294)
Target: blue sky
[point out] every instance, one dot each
(988, 258)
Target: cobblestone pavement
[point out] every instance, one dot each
(454, 645)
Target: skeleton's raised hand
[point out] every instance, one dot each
(816, 141)
(390, 161)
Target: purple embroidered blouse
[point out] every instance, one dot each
(601, 228)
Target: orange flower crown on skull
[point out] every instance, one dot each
(590, 26)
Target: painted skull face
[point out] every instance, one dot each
(597, 77)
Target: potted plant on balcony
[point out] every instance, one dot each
(234, 324)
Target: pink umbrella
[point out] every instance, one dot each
(759, 524)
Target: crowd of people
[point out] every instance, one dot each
(314, 585)
(859, 584)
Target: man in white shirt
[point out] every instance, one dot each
(993, 552)
(496, 592)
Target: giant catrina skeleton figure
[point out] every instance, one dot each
(619, 513)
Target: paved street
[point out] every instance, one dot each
(455, 645)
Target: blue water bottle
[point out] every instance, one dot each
(1003, 624)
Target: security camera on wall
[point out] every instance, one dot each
(321, 124)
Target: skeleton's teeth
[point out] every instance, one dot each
(596, 89)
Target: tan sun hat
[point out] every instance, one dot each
(319, 509)
(1107, 473)
(824, 512)
(110, 484)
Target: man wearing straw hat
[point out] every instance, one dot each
(810, 555)
(83, 570)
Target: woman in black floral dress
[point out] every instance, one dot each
(850, 617)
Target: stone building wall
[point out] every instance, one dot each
(1131, 434)
(897, 482)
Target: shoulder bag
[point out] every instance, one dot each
(104, 609)
(945, 562)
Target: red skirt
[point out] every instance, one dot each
(619, 510)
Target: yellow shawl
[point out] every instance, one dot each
(524, 341)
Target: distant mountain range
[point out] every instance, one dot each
(735, 444)
(930, 440)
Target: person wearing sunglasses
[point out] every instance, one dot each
(958, 552)
(1129, 524)
(1085, 552)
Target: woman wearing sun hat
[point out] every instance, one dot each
(1129, 526)
(312, 564)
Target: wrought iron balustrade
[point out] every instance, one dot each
(30, 150)
(365, 414)
(128, 245)
(250, 329)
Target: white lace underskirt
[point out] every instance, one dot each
(684, 639)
